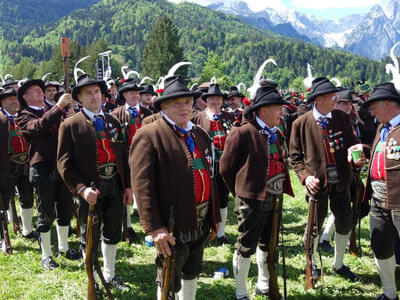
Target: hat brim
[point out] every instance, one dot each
(261, 104)
(9, 94)
(381, 98)
(205, 96)
(77, 88)
(235, 95)
(25, 86)
(147, 92)
(159, 100)
(312, 97)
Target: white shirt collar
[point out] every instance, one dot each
(36, 107)
(8, 114)
(395, 121)
(48, 102)
(189, 125)
(137, 106)
(263, 125)
(210, 114)
(318, 115)
(91, 114)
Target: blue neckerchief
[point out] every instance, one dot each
(271, 132)
(323, 122)
(11, 118)
(99, 123)
(133, 112)
(385, 131)
(216, 117)
(188, 140)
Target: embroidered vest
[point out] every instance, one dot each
(378, 171)
(218, 137)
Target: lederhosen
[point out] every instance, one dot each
(190, 244)
(255, 216)
(109, 203)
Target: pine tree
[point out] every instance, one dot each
(163, 49)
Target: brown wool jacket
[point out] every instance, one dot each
(307, 149)
(77, 148)
(162, 175)
(123, 117)
(202, 120)
(150, 119)
(392, 167)
(4, 145)
(243, 164)
(40, 133)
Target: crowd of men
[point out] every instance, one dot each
(178, 153)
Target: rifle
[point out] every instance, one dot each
(16, 226)
(125, 233)
(283, 260)
(91, 259)
(65, 53)
(5, 238)
(355, 249)
(168, 266)
(273, 292)
(75, 212)
(311, 234)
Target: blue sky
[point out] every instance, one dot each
(326, 9)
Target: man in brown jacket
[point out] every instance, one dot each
(91, 151)
(40, 129)
(171, 173)
(383, 184)
(319, 145)
(14, 165)
(130, 116)
(217, 123)
(254, 168)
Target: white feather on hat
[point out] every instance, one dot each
(127, 74)
(213, 80)
(8, 76)
(337, 82)
(241, 86)
(171, 72)
(309, 79)
(394, 69)
(257, 78)
(46, 75)
(145, 78)
(76, 69)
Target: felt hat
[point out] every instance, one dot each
(83, 80)
(10, 81)
(321, 86)
(383, 91)
(345, 96)
(147, 89)
(174, 87)
(213, 90)
(266, 95)
(234, 92)
(364, 88)
(129, 84)
(8, 92)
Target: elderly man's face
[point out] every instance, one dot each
(91, 97)
(34, 96)
(131, 97)
(178, 110)
(11, 104)
(381, 110)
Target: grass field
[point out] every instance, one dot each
(21, 275)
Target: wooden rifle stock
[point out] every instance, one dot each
(125, 233)
(273, 292)
(168, 268)
(5, 238)
(355, 249)
(91, 259)
(65, 53)
(16, 226)
(311, 234)
(283, 259)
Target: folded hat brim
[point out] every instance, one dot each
(159, 100)
(327, 91)
(381, 98)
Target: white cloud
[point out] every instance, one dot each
(254, 5)
(324, 4)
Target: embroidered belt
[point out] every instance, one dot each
(20, 158)
(203, 228)
(378, 189)
(332, 173)
(107, 170)
(275, 184)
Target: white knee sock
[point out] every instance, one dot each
(330, 228)
(109, 256)
(9, 215)
(62, 237)
(263, 273)
(128, 216)
(188, 290)
(134, 204)
(45, 244)
(340, 248)
(387, 272)
(26, 217)
(241, 266)
(221, 227)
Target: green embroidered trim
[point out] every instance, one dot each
(198, 164)
(216, 133)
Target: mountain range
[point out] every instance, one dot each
(370, 35)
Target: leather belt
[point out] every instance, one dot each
(108, 170)
(20, 158)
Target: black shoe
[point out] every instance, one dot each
(71, 254)
(118, 284)
(314, 271)
(346, 273)
(383, 297)
(49, 264)
(223, 240)
(326, 246)
(33, 235)
(132, 235)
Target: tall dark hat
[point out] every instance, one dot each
(174, 87)
(321, 86)
(213, 90)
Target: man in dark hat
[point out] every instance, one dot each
(383, 184)
(319, 145)
(10, 82)
(235, 104)
(92, 160)
(254, 168)
(50, 90)
(218, 124)
(40, 129)
(199, 104)
(146, 95)
(14, 161)
(172, 175)
(130, 116)
(289, 111)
